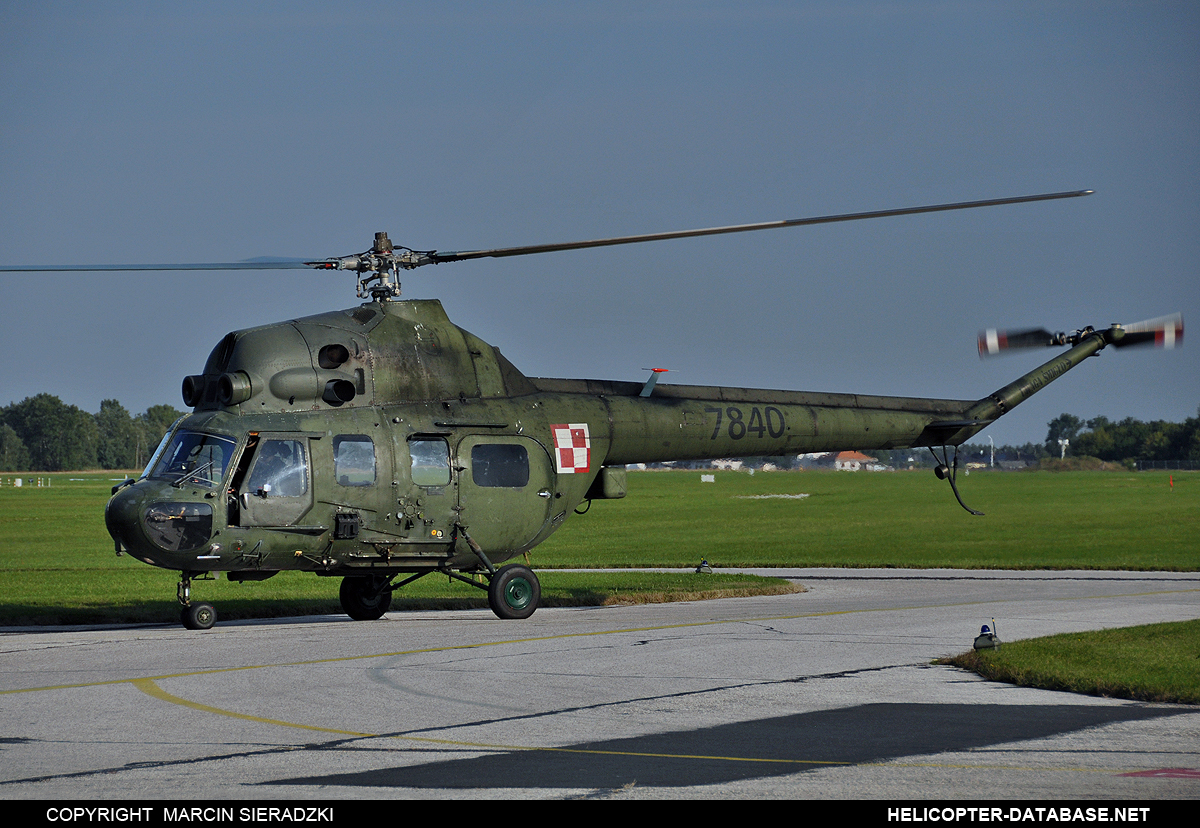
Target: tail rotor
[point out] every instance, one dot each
(1162, 332)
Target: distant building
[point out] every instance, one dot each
(853, 461)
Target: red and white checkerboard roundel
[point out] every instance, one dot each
(572, 447)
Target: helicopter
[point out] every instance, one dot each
(383, 443)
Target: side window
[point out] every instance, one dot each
(354, 460)
(281, 469)
(430, 461)
(500, 465)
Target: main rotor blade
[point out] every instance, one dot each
(418, 258)
(438, 258)
(251, 265)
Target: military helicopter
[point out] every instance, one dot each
(383, 443)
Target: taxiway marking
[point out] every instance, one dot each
(148, 687)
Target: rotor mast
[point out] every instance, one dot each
(382, 263)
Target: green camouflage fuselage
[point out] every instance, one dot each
(403, 438)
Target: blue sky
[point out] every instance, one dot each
(155, 132)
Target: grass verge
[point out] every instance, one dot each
(1154, 663)
(140, 594)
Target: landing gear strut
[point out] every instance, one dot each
(193, 616)
(513, 592)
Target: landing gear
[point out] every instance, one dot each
(365, 598)
(198, 616)
(194, 616)
(514, 592)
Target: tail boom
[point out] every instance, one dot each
(683, 422)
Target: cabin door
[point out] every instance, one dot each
(277, 487)
(506, 491)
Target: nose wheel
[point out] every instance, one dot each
(198, 616)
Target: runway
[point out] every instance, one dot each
(825, 694)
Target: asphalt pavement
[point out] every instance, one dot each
(828, 693)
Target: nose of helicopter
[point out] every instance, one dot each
(121, 517)
(150, 521)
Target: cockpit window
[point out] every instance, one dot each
(162, 444)
(281, 469)
(192, 458)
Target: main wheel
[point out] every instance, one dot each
(364, 598)
(198, 616)
(514, 592)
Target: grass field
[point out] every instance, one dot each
(1033, 520)
(57, 563)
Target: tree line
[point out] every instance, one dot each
(43, 433)
(1127, 440)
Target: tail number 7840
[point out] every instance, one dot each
(767, 421)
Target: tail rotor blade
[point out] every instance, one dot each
(1161, 332)
(993, 341)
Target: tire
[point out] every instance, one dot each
(364, 598)
(514, 592)
(198, 616)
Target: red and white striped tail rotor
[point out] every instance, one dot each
(1163, 332)
(994, 341)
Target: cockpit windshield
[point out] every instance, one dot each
(192, 458)
(162, 445)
